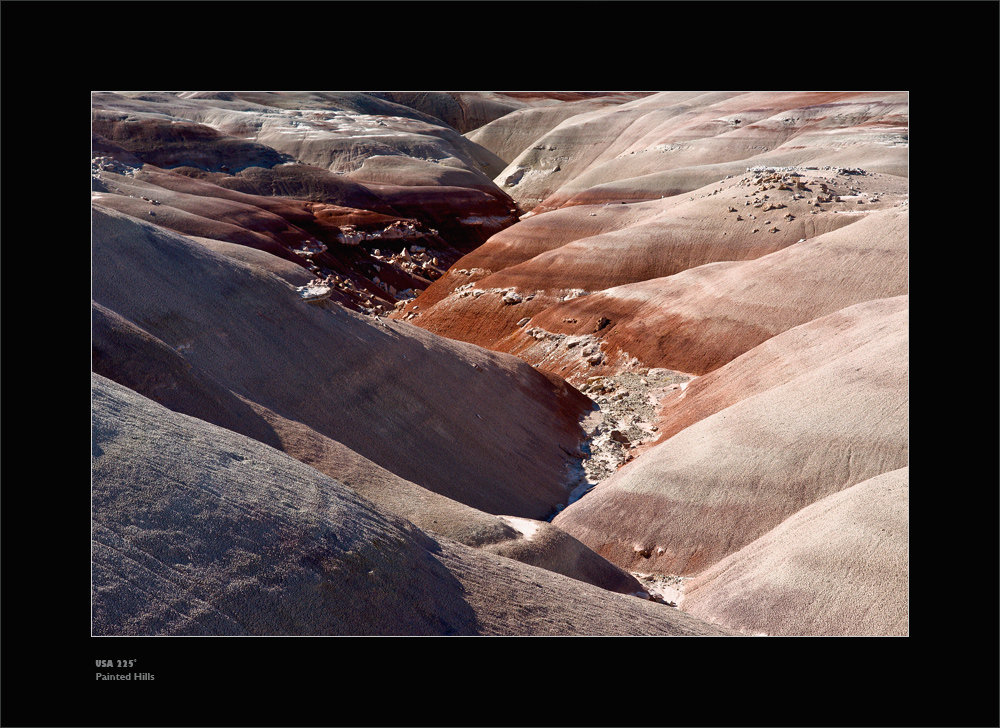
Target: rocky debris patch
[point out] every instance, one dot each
(101, 163)
(313, 292)
(817, 186)
(662, 588)
(398, 230)
(623, 421)
(424, 264)
(388, 281)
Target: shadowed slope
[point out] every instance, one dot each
(837, 567)
(126, 354)
(482, 428)
(200, 531)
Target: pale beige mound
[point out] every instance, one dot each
(585, 140)
(688, 131)
(512, 133)
(482, 428)
(199, 531)
(837, 567)
(731, 477)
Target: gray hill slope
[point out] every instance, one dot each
(200, 531)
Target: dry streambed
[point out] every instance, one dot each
(623, 421)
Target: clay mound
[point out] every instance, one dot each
(731, 477)
(677, 130)
(346, 133)
(839, 567)
(241, 223)
(577, 143)
(702, 318)
(490, 431)
(200, 531)
(170, 142)
(334, 131)
(892, 161)
(467, 111)
(408, 172)
(130, 356)
(509, 135)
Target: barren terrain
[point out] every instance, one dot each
(487, 363)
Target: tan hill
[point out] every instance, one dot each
(200, 531)
(781, 359)
(837, 567)
(730, 477)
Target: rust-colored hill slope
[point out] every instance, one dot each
(731, 477)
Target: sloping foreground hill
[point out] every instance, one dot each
(732, 476)
(126, 354)
(482, 428)
(200, 531)
(204, 388)
(837, 567)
